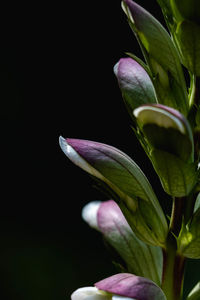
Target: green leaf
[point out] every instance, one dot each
(178, 178)
(167, 13)
(195, 293)
(161, 56)
(189, 238)
(188, 40)
(186, 9)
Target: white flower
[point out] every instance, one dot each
(92, 293)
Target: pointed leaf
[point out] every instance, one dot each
(177, 177)
(161, 55)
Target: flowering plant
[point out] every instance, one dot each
(165, 116)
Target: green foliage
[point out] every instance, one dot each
(189, 239)
(186, 9)
(188, 40)
(177, 177)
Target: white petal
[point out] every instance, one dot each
(89, 213)
(159, 116)
(89, 293)
(77, 159)
(115, 69)
(121, 298)
(73, 155)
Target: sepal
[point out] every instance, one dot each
(123, 286)
(131, 286)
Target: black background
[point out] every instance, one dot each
(56, 78)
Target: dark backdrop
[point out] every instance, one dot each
(56, 78)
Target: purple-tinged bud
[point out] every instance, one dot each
(123, 286)
(126, 179)
(135, 83)
(131, 286)
(140, 259)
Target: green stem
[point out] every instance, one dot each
(169, 255)
(173, 264)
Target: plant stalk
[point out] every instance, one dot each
(173, 263)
